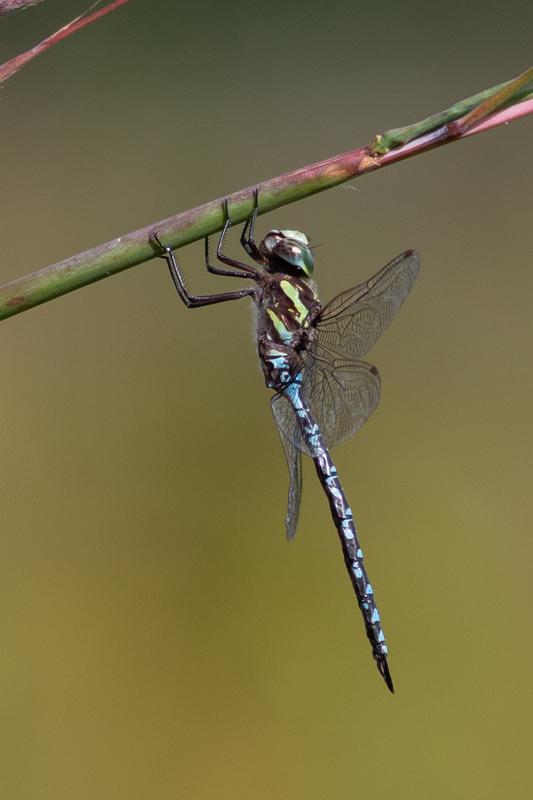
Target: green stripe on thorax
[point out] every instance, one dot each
(294, 296)
(283, 332)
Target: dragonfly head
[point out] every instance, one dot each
(287, 251)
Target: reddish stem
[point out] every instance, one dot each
(14, 64)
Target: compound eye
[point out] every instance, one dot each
(296, 254)
(270, 241)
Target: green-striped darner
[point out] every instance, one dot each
(311, 357)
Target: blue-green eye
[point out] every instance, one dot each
(289, 246)
(300, 257)
(295, 252)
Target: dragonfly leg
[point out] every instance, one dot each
(247, 235)
(232, 273)
(231, 262)
(190, 300)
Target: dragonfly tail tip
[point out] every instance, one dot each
(383, 668)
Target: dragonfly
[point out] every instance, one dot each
(311, 355)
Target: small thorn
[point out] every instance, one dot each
(383, 668)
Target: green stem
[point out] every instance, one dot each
(135, 248)
(482, 104)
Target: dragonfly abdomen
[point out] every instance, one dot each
(353, 558)
(345, 524)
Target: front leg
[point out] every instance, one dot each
(247, 235)
(232, 262)
(231, 273)
(190, 300)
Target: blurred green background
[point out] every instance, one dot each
(159, 637)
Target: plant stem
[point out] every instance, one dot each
(9, 68)
(512, 100)
(471, 110)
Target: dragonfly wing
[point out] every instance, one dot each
(351, 323)
(286, 421)
(341, 396)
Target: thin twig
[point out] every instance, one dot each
(189, 226)
(11, 6)
(8, 68)
(461, 116)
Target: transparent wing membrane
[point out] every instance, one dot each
(293, 457)
(352, 322)
(340, 390)
(340, 395)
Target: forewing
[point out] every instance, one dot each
(286, 420)
(350, 324)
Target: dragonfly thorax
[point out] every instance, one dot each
(287, 251)
(288, 307)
